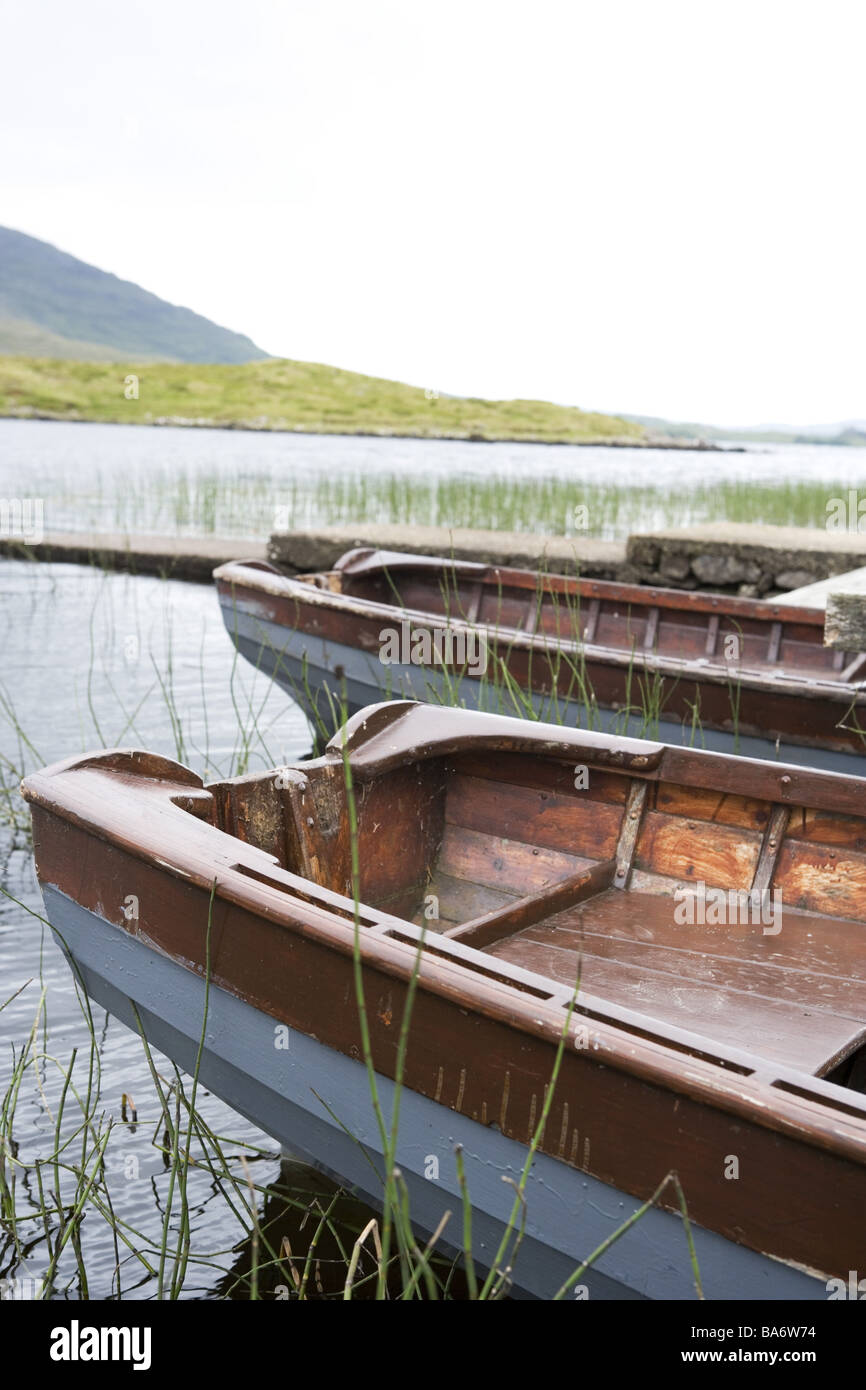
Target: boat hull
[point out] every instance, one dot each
(320, 672)
(569, 1213)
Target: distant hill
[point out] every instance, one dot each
(844, 432)
(279, 394)
(53, 305)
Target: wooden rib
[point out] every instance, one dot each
(632, 816)
(854, 668)
(771, 848)
(474, 602)
(592, 620)
(775, 642)
(652, 627)
(525, 912)
(839, 660)
(533, 612)
(712, 634)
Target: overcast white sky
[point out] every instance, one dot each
(639, 205)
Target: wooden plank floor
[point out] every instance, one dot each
(798, 998)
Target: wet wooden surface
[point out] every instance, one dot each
(716, 980)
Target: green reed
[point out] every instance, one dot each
(540, 501)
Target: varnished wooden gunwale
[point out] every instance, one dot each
(647, 1098)
(365, 561)
(820, 705)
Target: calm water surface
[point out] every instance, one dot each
(230, 482)
(91, 660)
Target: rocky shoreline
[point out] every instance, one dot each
(265, 426)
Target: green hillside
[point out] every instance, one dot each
(52, 304)
(279, 394)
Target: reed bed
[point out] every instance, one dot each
(256, 502)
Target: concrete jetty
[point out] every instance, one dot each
(173, 557)
(750, 560)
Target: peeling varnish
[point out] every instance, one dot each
(461, 1088)
(506, 1086)
(563, 1133)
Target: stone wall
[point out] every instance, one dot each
(303, 551)
(742, 559)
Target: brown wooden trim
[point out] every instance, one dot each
(795, 786)
(502, 576)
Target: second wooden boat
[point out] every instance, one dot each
(737, 675)
(713, 910)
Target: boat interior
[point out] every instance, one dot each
(689, 626)
(716, 911)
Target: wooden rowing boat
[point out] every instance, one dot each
(733, 674)
(730, 1050)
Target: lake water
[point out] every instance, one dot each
(228, 482)
(92, 660)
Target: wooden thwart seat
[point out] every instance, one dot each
(515, 917)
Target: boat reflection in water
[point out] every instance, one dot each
(306, 1213)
